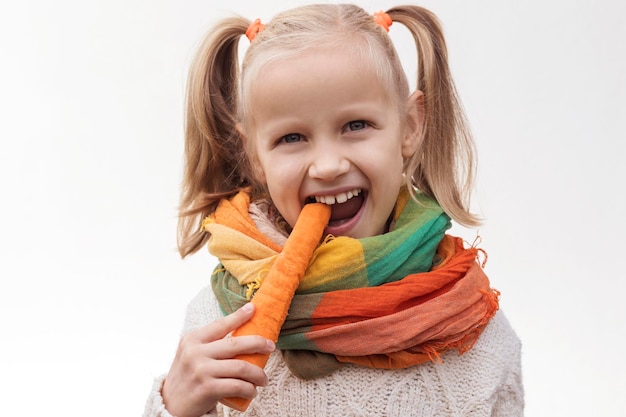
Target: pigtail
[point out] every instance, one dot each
(215, 166)
(443, 166)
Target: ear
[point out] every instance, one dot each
(414, 131)
(253, 160)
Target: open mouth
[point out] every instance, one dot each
(344, 206)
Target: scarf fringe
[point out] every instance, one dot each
(429, 351)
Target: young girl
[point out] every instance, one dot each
(393, 318)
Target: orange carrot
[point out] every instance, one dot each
(273, 298)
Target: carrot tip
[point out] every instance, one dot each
(236, 403)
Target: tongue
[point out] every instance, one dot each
(348, 209)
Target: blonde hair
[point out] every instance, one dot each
(216, 162)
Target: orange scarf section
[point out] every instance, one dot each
(448, 308)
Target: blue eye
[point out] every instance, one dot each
(357, 125)
(291, 138)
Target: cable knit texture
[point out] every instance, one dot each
(486, 381)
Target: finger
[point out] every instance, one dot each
(223, 326)
(241, 345)
(235, 369)
(235, 388)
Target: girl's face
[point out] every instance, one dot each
(324, 128)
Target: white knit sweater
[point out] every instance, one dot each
(486, 381)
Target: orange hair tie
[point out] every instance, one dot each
(254, 28)
(383, 19)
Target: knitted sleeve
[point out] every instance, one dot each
(509, 398)
(199, 313)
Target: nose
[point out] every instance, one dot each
(328, 163)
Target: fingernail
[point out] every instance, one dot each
(270, 345)
(247, 307)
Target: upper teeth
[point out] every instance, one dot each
(339, 198)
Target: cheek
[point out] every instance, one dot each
(390, 170)
(389, 158)
(283, 186)
(281, 176)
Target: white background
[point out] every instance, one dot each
(93, 293)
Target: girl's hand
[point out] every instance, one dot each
(203, 370)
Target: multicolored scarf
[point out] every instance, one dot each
(388, 301)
